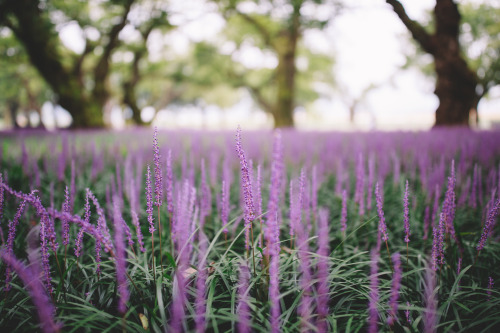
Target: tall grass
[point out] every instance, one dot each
(284, 231)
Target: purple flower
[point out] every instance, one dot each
(407, 313)
(441, 234)
(430, 317)
(372, 305)
(246, 184)
(272, 225)
(343, 218)
(120, 260)
(382, 228)
(427, 220)
(2, 198)
(170, 184)
(306, 301)
(64, 222)
(10, 241)
(158, 175)
(475, 176)
(206, 199)
(72, 186)
(435, 248)
(78, 242)
(488, 225)
(258, 193)
(29, 275)
(314, 190)
(179, 299)
(295, 210)
(490, 287)
(242, 308)
(396, 284)
(371, 176)
(224, 205)
(449, 204)
(406, 219)
(201, 285)
(274, 294)
(359, 194)
(323, 271)
(149, 201)
(135, 222)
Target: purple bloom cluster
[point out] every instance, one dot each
(29, 275)
(490, 287)
(323, 271)
(488, 225)
(120, 258)
(406, 218)
(158, 175)
(407, 313)
(382, 228)
(2, 198)
(343, 216)
(135, 222)
(65, 224)
(374, 297)
(149, 201)
(430, 317)
(246, 184)
(396, 284)
(272, 232)
(10, 241)
(201, 285)
(170, 184)
(243, 310)
(274, 294)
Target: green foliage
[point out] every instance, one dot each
(87, 303)
(481, 40)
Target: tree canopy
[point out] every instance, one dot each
(260, 49)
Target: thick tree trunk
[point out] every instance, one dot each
(286, 48)
(85, 113)
(285, 77)
(13, 107)
(131, 101)
(455, 88)
(456, 83)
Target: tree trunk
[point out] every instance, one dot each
(131, 101)
(285, 77)
(456, 83)
(285, 46)
(13, 107)
(85, 113)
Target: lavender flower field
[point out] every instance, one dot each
(285, 231)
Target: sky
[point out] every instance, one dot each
(368, 43)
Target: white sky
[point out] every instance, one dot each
(367, 42)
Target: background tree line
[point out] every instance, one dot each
(117, 66)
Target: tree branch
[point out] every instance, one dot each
(417, 31)
(259, 26)
(102, 68)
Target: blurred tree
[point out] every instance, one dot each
(456, 80)
(80, 80)
(276, 27)
(21, 87)
(132, 72)
(480, 37)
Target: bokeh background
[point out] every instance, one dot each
(332, 64)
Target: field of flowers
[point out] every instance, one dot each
(288, 231)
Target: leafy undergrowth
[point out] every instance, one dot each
(314, 259)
